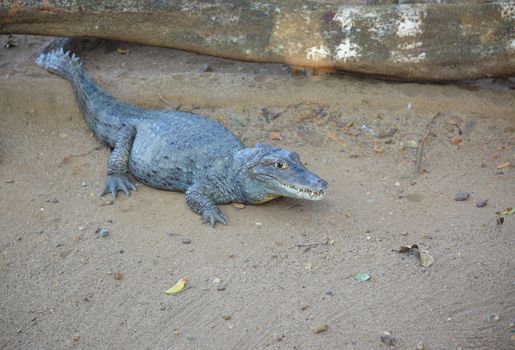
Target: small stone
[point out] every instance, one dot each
(321, 328)
(304, 307)
(483, 165)
(482, 203)
(226, 317)
(456, 140)
(387, 339)
(397, 184)
(186, 241)
(204, 68)
(420, 346)
(259, 224)
(238, 205)
(329, 292)
(220, 287)
(75, 338)
(118, 276)
(9, 181)
(103, 232)
(83, 184)
(163, 307)
(216, 280)
(461, 196)
(59, 245)
(386, 134)
(121, 251)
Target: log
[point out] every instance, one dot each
(417, 41)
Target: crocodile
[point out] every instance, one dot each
(183, 152)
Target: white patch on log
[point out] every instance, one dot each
(410, 46)
(317, 53)
(347, 50)
(410, 22)
(344, 16)
(511, 46)
(403, 57)
(507, 9)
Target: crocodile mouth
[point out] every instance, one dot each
(298, 192)
(304, 192)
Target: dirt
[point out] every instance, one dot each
(278, 271)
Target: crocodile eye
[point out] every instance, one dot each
(281, 165)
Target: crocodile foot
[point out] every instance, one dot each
(117, 182)
(214, 215)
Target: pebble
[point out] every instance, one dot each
(103, 232)
(461, 196)
(238, 205)
(387, 339)
(482, 203)
(9, 181)
(83, 184)
(226, 317)
(59, 245)
(420, 346)
(118, 276)
(321, 328)
(186, 241)
(389, 133)
(220, 287)
(329, 292)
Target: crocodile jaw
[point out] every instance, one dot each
(294, 191)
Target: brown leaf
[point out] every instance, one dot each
(504, 165)
(407, 248)
(276, 135)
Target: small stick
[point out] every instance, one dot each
(169, 103)
(310, 245)
(418, 163)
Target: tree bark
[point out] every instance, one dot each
(422, 41)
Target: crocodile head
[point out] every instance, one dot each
(275, 172)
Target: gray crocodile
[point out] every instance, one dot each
(184, 152)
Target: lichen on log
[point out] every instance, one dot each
(416, 41)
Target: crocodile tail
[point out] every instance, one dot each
(60, 62)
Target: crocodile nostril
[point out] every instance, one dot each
(322, 184)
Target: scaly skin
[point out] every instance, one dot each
(183, 152)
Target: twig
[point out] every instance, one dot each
(169, 103)
(310, 245)
(422, 142)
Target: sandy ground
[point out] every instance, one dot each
(252, 285)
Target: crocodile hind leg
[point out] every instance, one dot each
(117, 173)
(204, 206)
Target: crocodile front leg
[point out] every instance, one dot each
(117, 173)
(204, 206)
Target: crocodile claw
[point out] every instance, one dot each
(213, 216)
(115, 183)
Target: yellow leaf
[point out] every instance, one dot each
(179, 286)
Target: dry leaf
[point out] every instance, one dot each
(378, 149)
(426, 259)
(504, 165)
(320, 328)
(407, 248)
(276, 135)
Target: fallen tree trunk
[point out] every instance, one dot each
(428, 41)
